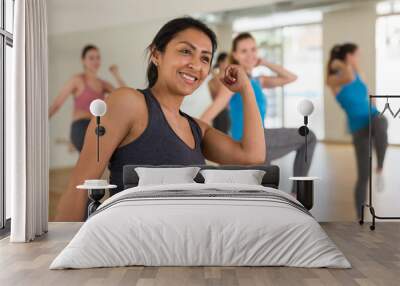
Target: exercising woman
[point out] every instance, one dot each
(147, 127)
(280, 141)
(351, 93)
(221, 121)
(85, 88)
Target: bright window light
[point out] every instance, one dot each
(387, 66)
(277, 20)
(396, 7)
(384, 7)
(388, 7)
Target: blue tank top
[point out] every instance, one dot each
(157, 145)
(236, 109)
(353, 98)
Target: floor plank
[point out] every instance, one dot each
(374, 255)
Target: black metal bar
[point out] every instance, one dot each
(370, 151)
(370, 205)
(384, 96)
(98, 145)
(386, 217)
(370, 163)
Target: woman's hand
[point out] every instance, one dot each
(337, 64)
(340, 73)
(114, 69)
(262, 62)
(235, 79)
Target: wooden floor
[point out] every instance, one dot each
(375, 257)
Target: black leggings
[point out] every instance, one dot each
(78, 131)
(222, 122)
(361, 146)
(77, 136)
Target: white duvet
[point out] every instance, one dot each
(207, 230)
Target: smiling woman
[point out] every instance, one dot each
(147, 127)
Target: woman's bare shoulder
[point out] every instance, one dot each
(78, 78)
(128, 101)
(126, 95)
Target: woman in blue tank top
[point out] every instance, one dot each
(236, 108)
(279, 141)
(147, 127)
(352, 95)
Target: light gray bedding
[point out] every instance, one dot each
(201, 224)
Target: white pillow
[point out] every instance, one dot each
(162, 176)
(248, 177)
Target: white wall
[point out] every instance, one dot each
(79, 15)
(122, 45)
(224, 32)
(351, 25)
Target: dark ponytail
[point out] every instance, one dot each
(340, 52)
(167, 33)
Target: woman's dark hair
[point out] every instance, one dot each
(221, 57)
(339, 52)
(167, 33)
(86, 49)
(235, 42)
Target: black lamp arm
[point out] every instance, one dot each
(100, 131)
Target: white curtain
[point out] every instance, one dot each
(27, 155)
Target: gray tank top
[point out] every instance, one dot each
(157, 145)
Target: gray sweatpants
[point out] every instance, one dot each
(361, 146)
(282, 141)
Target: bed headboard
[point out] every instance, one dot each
(270, 179)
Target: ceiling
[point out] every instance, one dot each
(66, 16)
(77, 15)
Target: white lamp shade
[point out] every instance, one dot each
(305, 107)
(98, 107)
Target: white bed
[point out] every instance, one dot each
(203, 225)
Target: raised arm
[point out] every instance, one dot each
(115, 72)
(221, 148)
(118, 122)
(65, 92)
(343, 74)
(282, 77)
